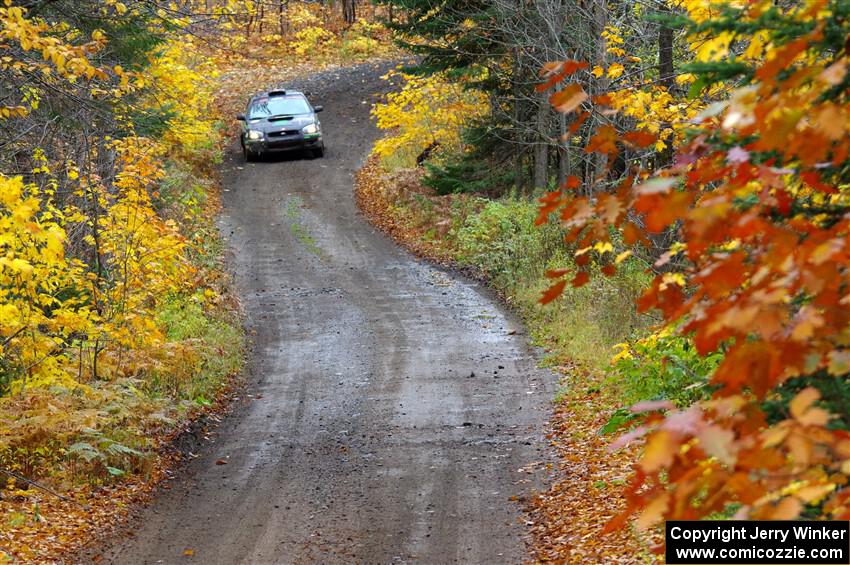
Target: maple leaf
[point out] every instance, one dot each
(653, 512)
(581, 279)
(639, 138)
(787, 509)
(555, 72)
(832, 121)
(553, 292)
(718, 442)
(660, 449)
(568, 99)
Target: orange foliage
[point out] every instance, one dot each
(760, 201)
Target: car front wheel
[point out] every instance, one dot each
(319, 153)
(249, 155)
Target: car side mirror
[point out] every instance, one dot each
(240, 117)
(318, 109)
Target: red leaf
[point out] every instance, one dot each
(813, 179)
(572, 182)
(661, 211)
(603, 141)
(558, 71)
(617, 522)
(580, 279)
(639, 138)
(553, 292)
(581, 117)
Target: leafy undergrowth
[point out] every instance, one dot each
(44, 525)
(495, 240)
(76, 457)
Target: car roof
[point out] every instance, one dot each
(277, 92)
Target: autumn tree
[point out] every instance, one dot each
(501, 44)
(88, 254)
(758, 199)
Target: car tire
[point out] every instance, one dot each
(250, 156)
(319, 153)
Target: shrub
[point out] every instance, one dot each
(313, 40)
(664, 366)
(503, 242)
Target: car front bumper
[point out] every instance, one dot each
(284, 143)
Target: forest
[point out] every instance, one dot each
(659, 190)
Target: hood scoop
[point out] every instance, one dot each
(281, 118)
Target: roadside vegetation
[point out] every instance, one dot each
(642, 173)
(118, 328)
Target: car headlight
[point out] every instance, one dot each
(312, 128)
(254, 135)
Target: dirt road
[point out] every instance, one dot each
(394, 405)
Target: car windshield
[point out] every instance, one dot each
(277, 106)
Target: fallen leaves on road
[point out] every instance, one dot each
(569, 517)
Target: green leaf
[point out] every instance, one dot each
(619, 418)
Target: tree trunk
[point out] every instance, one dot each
(598, 163)
(281, 7)
(541, 144)
(261, 18)
(349, 11)
(666, 74)
(665, 54)
(563, 150)
(516, 113)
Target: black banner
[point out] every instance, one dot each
(758, 542)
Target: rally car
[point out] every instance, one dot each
(280, 120)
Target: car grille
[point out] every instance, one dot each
(284, 133)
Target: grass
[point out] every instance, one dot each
(217, 342)
(298, 231)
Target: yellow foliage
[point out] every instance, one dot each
(33, 271)
(183, 82)
(426, 110)
(301, 16)
(312, 40)
(62, 316)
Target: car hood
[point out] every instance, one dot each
(296, 122)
